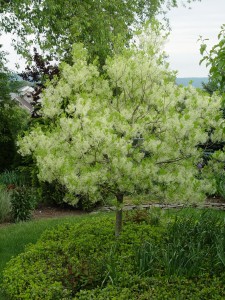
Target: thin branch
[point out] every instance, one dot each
(172, 160)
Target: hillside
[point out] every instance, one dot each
(195, 81)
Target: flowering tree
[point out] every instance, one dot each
(130, 131)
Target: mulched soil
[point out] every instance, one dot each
(50, 212)
(54, 212)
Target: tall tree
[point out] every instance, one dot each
(38, 74)
(215, 59)
(55, 25)
(13, 119)
(4, 76)
(130, 131)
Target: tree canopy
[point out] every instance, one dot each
(55, 25)
(129, 131)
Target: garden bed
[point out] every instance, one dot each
(160, 254)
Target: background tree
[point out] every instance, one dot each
(38, 74)
(129, 132)
(55, 25)
(5, 134)
(215, 59)
(13, 119)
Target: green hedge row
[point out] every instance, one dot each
(178, 259)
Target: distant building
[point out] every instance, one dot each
(24, 97)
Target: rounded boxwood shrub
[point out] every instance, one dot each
(74, 257)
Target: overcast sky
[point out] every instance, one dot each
(204, 18)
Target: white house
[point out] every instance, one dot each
(24, 97)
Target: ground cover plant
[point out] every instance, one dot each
(181, 256)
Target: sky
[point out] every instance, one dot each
(203, 19)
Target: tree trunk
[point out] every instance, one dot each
(119, 215)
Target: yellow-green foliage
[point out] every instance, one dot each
(159, 289)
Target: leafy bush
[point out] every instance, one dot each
(76, 257)
(137, 288)
(51, 193)
(86, 261)
(220, 184)
(151, 216)
(23, 203)
(5, 205)
(15, 178)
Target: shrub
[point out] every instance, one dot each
(151, 216)
(51, 193)
(79, 256)
(137, 288)
(23, 203)
(14, 178)
(85, 261)
(5, 205)
(220, 184)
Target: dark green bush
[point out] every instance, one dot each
(51, 193)
(192, 243)
(54, 194)
(23, 202)
(13, 178)
(220, 185)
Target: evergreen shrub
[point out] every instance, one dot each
(75, 257)
(86, 261)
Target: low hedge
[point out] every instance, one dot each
(160, 288)
(74, 257)
(85, 261)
